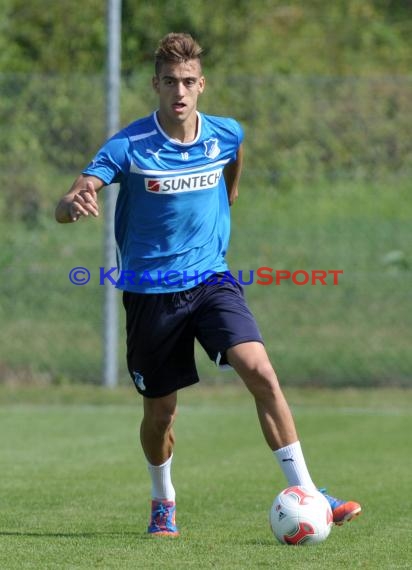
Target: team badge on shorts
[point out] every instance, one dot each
(138, 380)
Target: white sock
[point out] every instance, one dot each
(162, 487)
(293, 465)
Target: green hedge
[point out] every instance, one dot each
(299, 130)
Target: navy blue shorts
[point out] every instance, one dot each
(162, 328)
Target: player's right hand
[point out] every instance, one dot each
(84, 202)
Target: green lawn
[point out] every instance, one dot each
(75, 490)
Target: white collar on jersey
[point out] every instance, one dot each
(175, 141)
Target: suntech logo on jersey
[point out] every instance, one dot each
(186, 183)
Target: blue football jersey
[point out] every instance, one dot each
(172, 220)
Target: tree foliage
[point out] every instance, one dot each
(323, 89)
(349, 37)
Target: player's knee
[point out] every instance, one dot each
(160, 413)
(161, 419)
(262, 372)
(261, 380)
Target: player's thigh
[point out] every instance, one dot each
(160, 344)
(224, 320)
(250, 359)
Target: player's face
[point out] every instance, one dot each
(179, 86)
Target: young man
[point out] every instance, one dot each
(179, 172)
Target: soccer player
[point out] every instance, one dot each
(179, 173)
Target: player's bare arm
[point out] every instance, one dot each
(232, 174)
(80, 200)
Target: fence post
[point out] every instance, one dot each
(110, 335)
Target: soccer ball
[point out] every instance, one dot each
(301, 516)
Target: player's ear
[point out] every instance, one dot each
(202, 84)
(155, 83)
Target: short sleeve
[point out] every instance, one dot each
(112, 160)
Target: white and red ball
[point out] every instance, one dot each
(301, 516)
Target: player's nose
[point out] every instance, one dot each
(180, 88)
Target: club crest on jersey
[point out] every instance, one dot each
(212, 149)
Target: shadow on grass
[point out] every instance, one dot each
(97, 534)
(142, 536)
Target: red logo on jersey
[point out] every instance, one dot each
(153, 185)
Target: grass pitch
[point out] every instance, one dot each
(75, 489)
